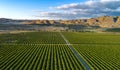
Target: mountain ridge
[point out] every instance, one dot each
(103, 22)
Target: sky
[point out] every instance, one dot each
(58, 9)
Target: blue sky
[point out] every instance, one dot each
(23, 9)
(57, 9)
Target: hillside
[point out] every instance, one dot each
(103, 22)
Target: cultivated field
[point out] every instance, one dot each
(50, 51)
(100, 50)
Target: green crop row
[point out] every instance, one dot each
(48, 51)
(100, 56)
(38, 57)
(93, 38)
(32, 38)
(100, 50)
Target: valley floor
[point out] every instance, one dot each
(56, 51)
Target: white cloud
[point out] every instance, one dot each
(91, 8)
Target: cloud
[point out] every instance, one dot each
(112, 4)
(88, 9)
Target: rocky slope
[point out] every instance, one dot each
(104, 22)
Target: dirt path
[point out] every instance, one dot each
(76, 53)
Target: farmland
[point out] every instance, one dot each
(33, 38)
(49, 51)
(100, 50)
(36, 51)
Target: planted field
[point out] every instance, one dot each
(38, 57)
(59, 51)
(100, 50)
(93, 38)
(37, 51)
(104, 57)
(32, 38)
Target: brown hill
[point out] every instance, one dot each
(104, 21)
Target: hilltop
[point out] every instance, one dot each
(103, 22)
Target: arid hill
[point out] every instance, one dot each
(104, 22)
